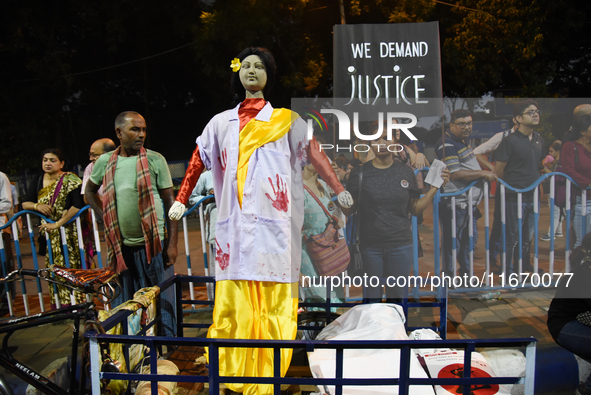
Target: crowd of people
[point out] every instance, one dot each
(129, 188)
(517, 159)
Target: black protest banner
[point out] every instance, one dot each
(388, 67)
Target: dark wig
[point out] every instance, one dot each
(270, 68)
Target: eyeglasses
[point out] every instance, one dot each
(462, 125)
(531, 113)
(93, 155)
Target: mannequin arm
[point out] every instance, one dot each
(192, 174)
(323, 167)
(325, 170)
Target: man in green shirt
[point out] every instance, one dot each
(138, 191)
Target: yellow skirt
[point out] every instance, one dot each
(253, 310)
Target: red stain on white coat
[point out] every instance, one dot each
(222, 258)
(223, 160)
(281, 200)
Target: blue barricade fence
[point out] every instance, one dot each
(404, 381)
(433, 268)
(510, 280)
(28, 215)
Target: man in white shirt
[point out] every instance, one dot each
(97, 148)
(5, 209)
(482, 152)
(490, 146)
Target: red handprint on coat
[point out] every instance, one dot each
(221, 257)
(223, 160)
(281, 201)
(301, 153)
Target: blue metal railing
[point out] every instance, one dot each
(198, 205)
(12, 224)
(436, 266)
(534, 187)
(404, 381)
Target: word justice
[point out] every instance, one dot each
(382, 86)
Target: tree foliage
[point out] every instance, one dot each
(69, 67)
(72, 66)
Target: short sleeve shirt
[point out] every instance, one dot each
(458, 156)
(87, 173)
(523, 157)
(490, 145)
(127, 196)
(385, 219)
(5, 197)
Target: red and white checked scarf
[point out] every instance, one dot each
(146, 207)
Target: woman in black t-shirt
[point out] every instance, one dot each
(389, 194)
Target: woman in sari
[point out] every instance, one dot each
(315, 222)
(56, 195)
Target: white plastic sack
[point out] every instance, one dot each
(377, 321)
(426, 334)
(367, 322)
(507, 363)
(450, 364)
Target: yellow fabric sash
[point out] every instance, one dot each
(256, 134)
(253, 310)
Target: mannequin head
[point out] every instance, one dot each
(269, 64)
(253, 75)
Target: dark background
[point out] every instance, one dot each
(67, 68)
